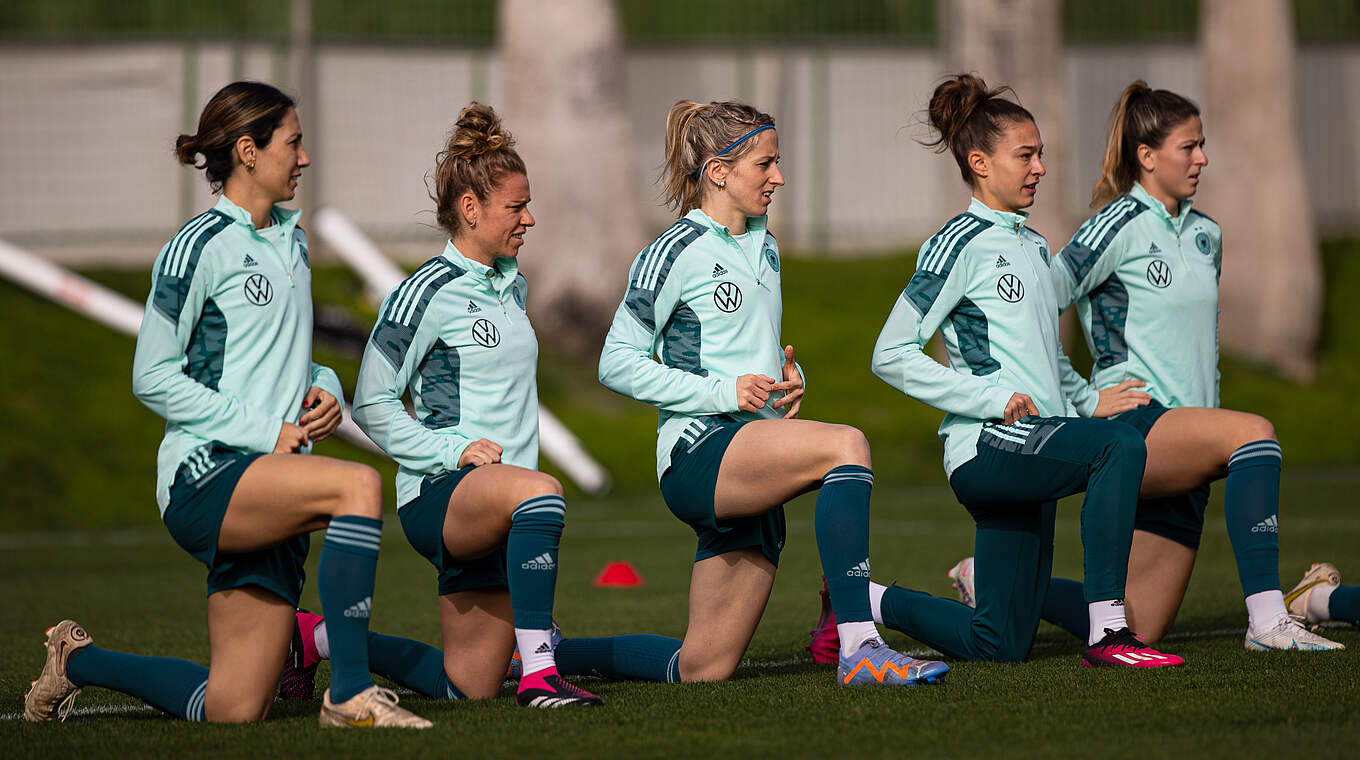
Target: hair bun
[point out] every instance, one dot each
(186, 148)
(477, 132)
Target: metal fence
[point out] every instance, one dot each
(86, 126)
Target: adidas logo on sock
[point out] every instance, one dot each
(859, 571)
(543, 648)
(718, 270)
(543, 561)
(473, 308)
(360, 609)
(249, 262)
(1154, 249)
(1001, 262)
(1268, 525)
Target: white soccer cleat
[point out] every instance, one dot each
(52, 696)
(1319, 574)
(961, 576)
(373, 707)
(1289, 634)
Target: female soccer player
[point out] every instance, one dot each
(704, 299)
(1012, 446)
(1143, 273)
(456, 335)
(224, 355)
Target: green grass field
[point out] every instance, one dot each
(78, 456)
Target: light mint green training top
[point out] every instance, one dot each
(455, 334)
(225, 348)
(700, 310)
(983, 282)
(1146, 288)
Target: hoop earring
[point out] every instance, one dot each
(472, 224)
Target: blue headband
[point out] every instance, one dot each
(700, 171)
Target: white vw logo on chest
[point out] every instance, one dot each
(1159, 273)
(727, 297)
(485, 333)
(1010, 288)
(258, 290)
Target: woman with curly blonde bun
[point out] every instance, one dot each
(471, 500)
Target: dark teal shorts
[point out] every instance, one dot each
(689, 487)
(422, 520)
(1179, 518)
(198, 502)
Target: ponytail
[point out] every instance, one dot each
(967, 116)
(697, 133)
(1143, 116)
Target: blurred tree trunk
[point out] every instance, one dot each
(564, 84)
(1019, 43)
(1271, 289)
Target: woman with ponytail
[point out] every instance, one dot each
(1013, 443)
(698, 337)
(225, 356)
(1143, 273)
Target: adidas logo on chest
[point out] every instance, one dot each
(249, 262)
(719, 271)
(473, 308)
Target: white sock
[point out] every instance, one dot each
(853, 635)
(535, 649)
(876, 591)
(1265, 609)
(1320, 602)
(323, 641)
(1107, 614)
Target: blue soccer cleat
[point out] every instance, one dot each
(877, 664)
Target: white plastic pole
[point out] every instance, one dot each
(70, 289)
(357, 250)
(106, 307)
(380, 275)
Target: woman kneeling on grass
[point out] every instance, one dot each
(705, 299)
(455, 334)
(224, 355)
(1143, 273)
(1013, 446)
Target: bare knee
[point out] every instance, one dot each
(245, 711)
(706, 667)
(531, 484)
(849, 446)
(362, 493)
(1256, 428)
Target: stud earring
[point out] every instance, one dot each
(250, 167)
(722, 183)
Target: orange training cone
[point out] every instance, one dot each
(618, 575)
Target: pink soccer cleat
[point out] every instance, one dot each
(826, 640)
(298, 680)
(1124, 649)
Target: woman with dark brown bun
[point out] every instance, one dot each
(1013, 442)
(225, 356)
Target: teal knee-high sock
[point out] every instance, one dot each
(413, 664)
(344, 579)
(166, 683)
(531, 559)
(1251, 505)
(635, 657)
(1344, 604)
(841, 523)
(1065, 607)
